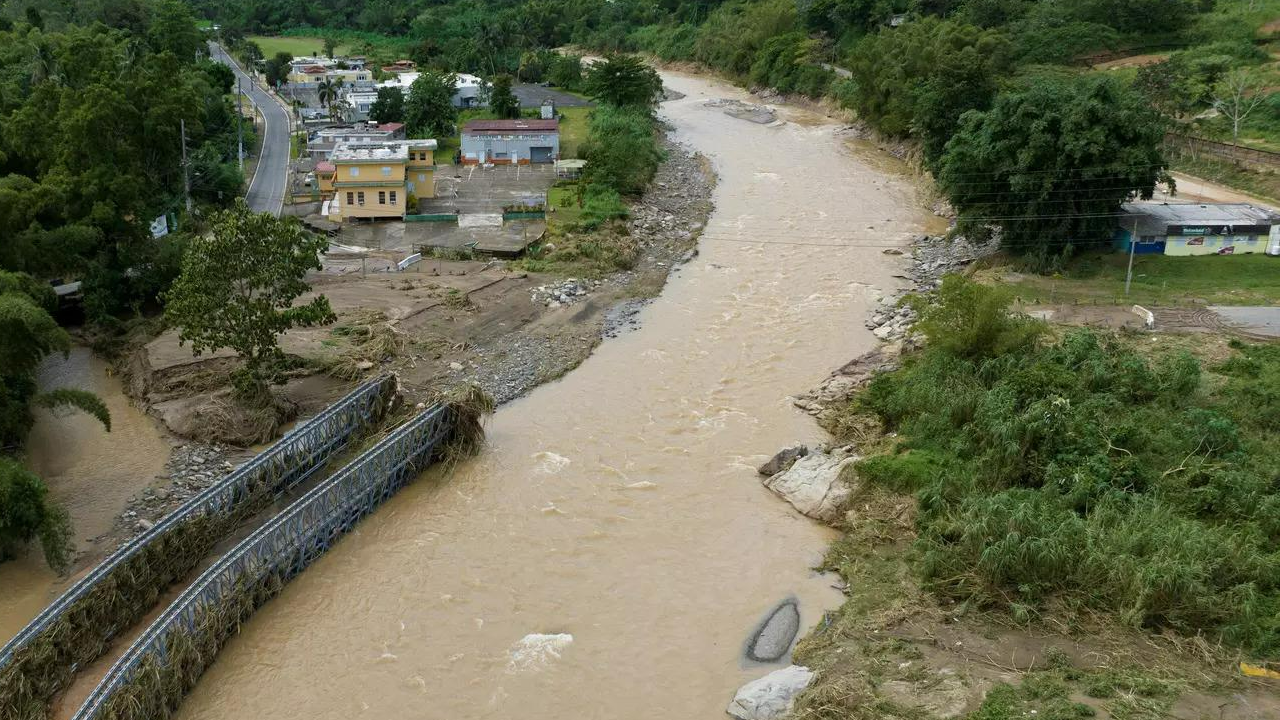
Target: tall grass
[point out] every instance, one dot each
(1079, 471)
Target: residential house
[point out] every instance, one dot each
(466, 93)
(420, 172)
(1198, 229)
(400, 66)
(376, 180)
(510, 142)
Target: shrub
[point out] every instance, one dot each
(1078, 469)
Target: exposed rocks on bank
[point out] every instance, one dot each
(191, 468)
(771, 696)
(567, 292)
(931, 258)
(665, 223)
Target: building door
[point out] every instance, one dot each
(540, 154)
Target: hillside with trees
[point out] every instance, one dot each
(909, 69)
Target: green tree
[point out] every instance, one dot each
(388, 107)
(237, 289)
(328, 91)
(1051, 162)
(622, 81)
(277, 69)
(620, 150)
(330, 44)
(27, 512)
(429, 110)
(502, 101)
(566, 72)
(921, 77)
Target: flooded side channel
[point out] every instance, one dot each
(620, 505)
(90, 472)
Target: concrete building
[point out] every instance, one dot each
(1199, 229)
(320, 144)
(377, 180)
(510, 142)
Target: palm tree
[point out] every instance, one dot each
(328, 91)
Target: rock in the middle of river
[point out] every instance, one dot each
(772, 639)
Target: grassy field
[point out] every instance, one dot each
(573, 130)
(562, 205)
(295, 46)
(1157, 280)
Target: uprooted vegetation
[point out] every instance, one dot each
(1076, 482)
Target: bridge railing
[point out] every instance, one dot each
(162, 665)
(77, 626)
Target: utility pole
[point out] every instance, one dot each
(239, 125)
(1133, 246)
(186, 169)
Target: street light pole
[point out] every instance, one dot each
(186, 168)
(240, 125)
(1133, 245)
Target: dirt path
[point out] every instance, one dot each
(1194, 189)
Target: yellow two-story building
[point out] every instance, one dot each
(378, 180)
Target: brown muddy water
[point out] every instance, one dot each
(616, 513)
(90, 471)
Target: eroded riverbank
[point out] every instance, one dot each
(618, 505)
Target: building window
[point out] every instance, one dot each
(393, 197)
(360, 197)
(386, 171)
(355, 172)
(382, 198)
(422, 177)
(351, 198)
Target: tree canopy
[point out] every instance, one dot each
(623, 80)
(429, 110)
(237, 290)
(388, 106)
(502, 101)
(1052, 161)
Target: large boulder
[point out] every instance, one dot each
(773, 638)
(771, 696)
(785, 458)
(813, 484)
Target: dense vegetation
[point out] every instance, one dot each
(1075, 471)
(92, 102)
(916, 67)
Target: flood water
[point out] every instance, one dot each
(90, 472)
(620, 505)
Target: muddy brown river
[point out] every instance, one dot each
(617, 509)
(91, 472)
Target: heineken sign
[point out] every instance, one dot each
(1194, 230)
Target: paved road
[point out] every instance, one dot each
(266, 189)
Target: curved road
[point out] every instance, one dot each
(267, 187)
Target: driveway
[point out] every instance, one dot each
(267, 187)
(531, 96)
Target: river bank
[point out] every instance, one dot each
(614, 518)
(168, 407)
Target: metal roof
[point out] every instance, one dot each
(1155, 218)
(511, 126)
